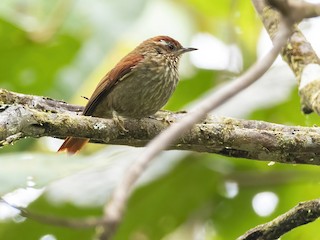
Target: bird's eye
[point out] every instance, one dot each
(170, 46)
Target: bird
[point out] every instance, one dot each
(139, 85)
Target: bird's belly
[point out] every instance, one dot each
(140, 98)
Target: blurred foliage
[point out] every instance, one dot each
(286, 113)
(182, 186)
(193, 88)
(30, 229)
(29, 66)
(55, 48)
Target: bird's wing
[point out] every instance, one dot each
(110, 80)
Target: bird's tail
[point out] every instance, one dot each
(73, 145)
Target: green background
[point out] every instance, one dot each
(60, 49)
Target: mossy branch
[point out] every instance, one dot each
(298, 52)
(33, 116)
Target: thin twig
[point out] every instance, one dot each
(114, 210)
(77, 223)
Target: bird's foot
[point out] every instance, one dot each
(118, 120)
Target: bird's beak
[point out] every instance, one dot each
(184, 50)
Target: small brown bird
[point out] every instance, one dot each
(137, 87)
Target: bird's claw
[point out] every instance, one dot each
(118, 120)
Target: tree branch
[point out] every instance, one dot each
(294, 10)
(301, 214)
(39, 103)
(226, 136)
(298, 52)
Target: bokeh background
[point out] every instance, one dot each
(61, 49)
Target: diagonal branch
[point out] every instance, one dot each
(301, 214)
(114, 210)
(298, 52)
